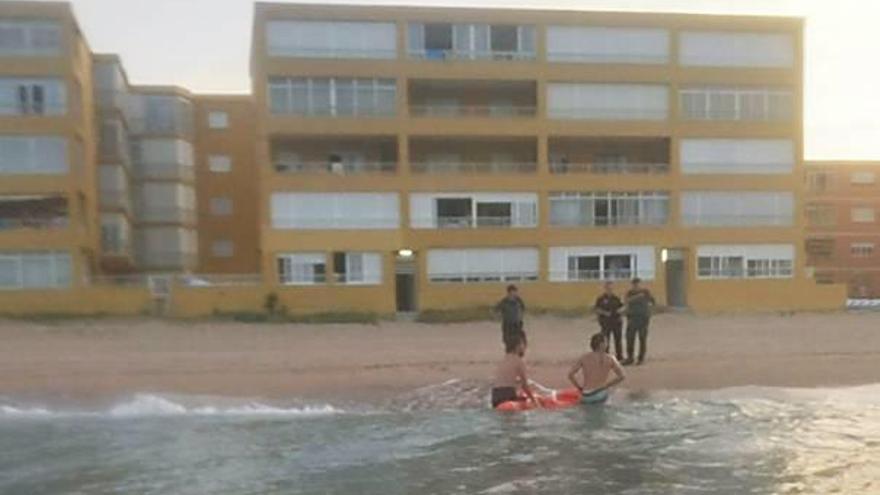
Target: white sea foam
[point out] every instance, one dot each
(149, 405)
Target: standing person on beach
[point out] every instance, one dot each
(639, 302)
(608, 306)
(511, 309)
(595, 367)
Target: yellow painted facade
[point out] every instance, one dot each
(400, 150)
(410, 130)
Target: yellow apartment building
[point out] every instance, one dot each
(423, 158)
(226, 185)
(402, 159)
(48, 179)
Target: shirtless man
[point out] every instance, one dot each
(511, 373)
(596, 366)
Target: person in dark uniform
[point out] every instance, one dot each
(511, 309)
(607, 307)
(638, 315)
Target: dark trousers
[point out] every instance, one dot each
(613, 330)
(637, 326)
(510, 330)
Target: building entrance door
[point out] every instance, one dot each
(674, 262)
(405, 270)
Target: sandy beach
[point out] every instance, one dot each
(103, 359)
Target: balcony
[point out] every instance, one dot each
(164, 172)
(32, 109)
(115, 199)
(33, 213)
(166, 214)
(470, 156)
(610, 156)
(472, 99)
(337, 156)
(163, 115)
(452, 42)
(166, 259)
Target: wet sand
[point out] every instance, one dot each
(103, 359)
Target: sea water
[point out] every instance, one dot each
(737, 441)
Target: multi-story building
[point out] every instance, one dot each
(226, 185)
(419, 158)
(48, 177)
(843, 201)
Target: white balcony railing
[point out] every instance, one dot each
(474, 168)
(33, 109)
(33, 223)
(453, 55)
(325, 168)
(473, 111)
(610, 168)
(471, 222)
(165, 214)
(231, 280)
(164, 171)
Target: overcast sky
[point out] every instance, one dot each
(204, 45)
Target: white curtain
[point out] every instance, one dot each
(737, 208)
(342, 39)
(33, 154)
(593, 101)
(728, 49)
(737, 156)
(607, 45)
(322, 211)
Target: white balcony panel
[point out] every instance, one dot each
(607, 45)
(322, 39)
(590, 101)
(736, 49)
(737, 156)
(737, 208)
(332, 211)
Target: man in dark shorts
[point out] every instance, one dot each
(510, 376)
(610, 321)
(638, 315)
(511, 309)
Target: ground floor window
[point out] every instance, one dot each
(302, 268)
(585, 263)
(36, 270)
(745, 261)
(357, 268)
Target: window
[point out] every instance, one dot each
(220, 164)
(594, 101)
(862, 177)
(593, 263)
(736, 104)
(357, 268)
(745, 261)
(222, 249)
(323, 39)
(478, 210)
(737, 209)
(34, 270)
(819, 215)
(736, 49)
(333, 97)
(482, 265)
(737, 156)
(221, 206)
(38, 212)
(328, 211)
(302, 268)
(454, 212)
(607, 45)
(30, 38)
(33, 155)
(606, 209)
(861, 249)
(863, 214)
(820, 248)
(819, 181)
(440, 41)
(218, 120)
(32, 96)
